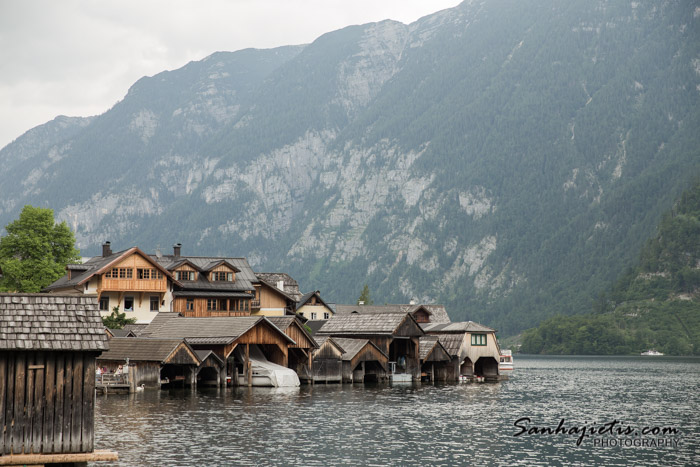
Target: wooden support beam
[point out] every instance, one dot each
(248, 366)
(42, 459)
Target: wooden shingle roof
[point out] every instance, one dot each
(51, 322)
(461, 327)
(284, 322)
(431, 345)
(451, 342)
(354, 346)
(211, 331)
(141, 349)
(437, 313)
(365, 324)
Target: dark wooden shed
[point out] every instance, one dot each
(362, 361)
(328, 360)
(395, 334)
(435, 359)
(151, 362)
(48, 346)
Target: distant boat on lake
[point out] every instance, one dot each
(651, 352)
(506, 361)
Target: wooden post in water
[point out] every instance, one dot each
(248, 366)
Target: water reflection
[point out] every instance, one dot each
(449, 424)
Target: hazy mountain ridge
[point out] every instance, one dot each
(505, 158)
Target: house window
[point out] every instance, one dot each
(104, 303)
(120, 273)
(326, 315)
(222, 276)
(223, 305)
(313, 315)
(211, 304)
(148, 274)
(184, 275)
(190, 304)
(155, 302)
(478, 339)
(128, 303)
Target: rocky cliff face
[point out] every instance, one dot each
(484, 157)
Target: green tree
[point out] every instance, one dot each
(35, 251)
(364, 297)
(117, 320)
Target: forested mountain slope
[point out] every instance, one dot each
(655, 305)
(505, 158)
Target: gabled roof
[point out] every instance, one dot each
(451, 342)
(320, 340)
(120, 332)
(212, 331)
(274, 288)
(315, 325)
(366, 324)
(437, 313)
(202, 355)
(244, 273)
(219, 262)
(354, 346)
(431, 345)
(174, 265)
(51, 322)
(142, 349)
(464, 326)
(100, 265)
(136, 329)
(291, 287)
(284, 322)
(307, 296)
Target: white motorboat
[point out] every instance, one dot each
(651, 352)
(505, 364)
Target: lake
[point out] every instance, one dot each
(641, 410)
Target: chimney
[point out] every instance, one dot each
(176, 249)
(280, 285)
(106, 249)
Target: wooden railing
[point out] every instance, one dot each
(146, 285)
(108, 379)
(255, 303)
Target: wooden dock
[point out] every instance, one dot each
(68, 458)
(112, 383)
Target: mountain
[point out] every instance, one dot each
(506, 158)
(655, 305)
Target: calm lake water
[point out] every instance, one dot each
(451, 424)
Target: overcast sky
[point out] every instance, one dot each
(78, 58)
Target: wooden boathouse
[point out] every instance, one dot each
(300, 358)
(434, 358)
(48, 347)
(395, 334)
(363, 361)
(224, 335)
(328, 360)
(149, 362)
(473, 347)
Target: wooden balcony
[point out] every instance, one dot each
(134, 285)
(213, 314)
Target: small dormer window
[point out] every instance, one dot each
(222, 276)
(184, 275)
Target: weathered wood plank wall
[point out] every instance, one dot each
(46, 402)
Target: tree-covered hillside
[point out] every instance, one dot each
(506, 158)
(655, 305)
